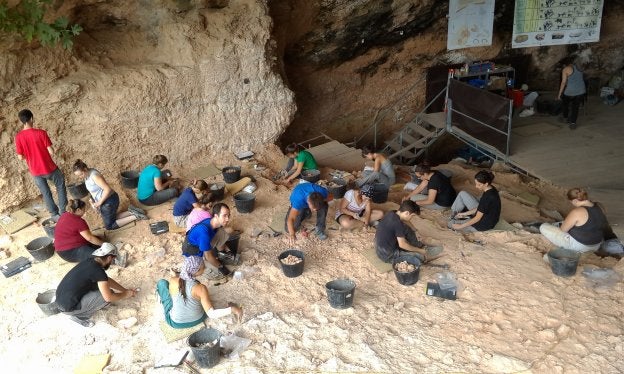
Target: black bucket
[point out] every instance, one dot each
(563, 262)
(244, 202)
(407, 278)
(311, 175)
(340, 293)
(231, 174)
(380, 193)
(47, 302)
(78, 190)
(48, 226)
(41, 248)
(129, 179)
(292, 271)
(232, 242)
(217, 190)
(339, 190)
(205, 347)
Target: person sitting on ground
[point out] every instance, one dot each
(482, 214)
(583, 229)
(104, 199)
(395, 237)
(202, 212)
(305, 199)
(34, 146)
(207, 239)
(298, 161)
(439, 194)
(152, 188)
(383, 170)
(86, 288)
(355, 209)
(186, 302)
(73, 241)
(187, 201)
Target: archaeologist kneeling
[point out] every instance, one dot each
(305, 199)
(395, 237)
(185, 301)
(207, 239)
(86, 288)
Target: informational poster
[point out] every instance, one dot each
(470, 23)
(553, 22)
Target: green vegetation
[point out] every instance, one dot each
(26, 19)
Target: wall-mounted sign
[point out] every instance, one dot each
(470, 23)
(553, 22)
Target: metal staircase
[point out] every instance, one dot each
(413, 139)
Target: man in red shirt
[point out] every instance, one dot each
(34, 146)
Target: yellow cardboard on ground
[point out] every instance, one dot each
(92, 364)
(17, 221)
(171, 334)
(503, 225)
(204, 172)
(371, 256)
(233, 188)
(278, 219)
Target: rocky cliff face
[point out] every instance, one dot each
(145, 77)
(353, 63)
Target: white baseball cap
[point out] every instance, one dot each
(105, 250)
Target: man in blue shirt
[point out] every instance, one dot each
(208, 237)
(305, 199)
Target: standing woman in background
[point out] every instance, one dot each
(104, 199)
(152, 188)
(571, 92)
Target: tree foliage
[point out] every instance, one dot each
(27, 19)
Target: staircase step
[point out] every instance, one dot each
(398, 150)
(409, 139)
(420, 130)
(438, 119)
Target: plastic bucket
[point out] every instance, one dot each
(340, 293)
(517, 96)
(563, 262)
(244, 202)
(205, 347)
(339, 190)
(47, 302)
(407, 278)
(232, 242)
(129, 179)
(78, 190)
(41, 248)
(311, 176)
(217, 190)
(48, 226)
(292, 271)
(231, 174)
(380, 193)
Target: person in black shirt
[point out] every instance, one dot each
(86, 288)
(439, 193)
(394, 237)
(482, 214)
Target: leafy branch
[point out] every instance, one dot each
(26, 19)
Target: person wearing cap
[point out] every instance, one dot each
(186, 302)
(355, 209)
(86, 288)
(305, 199)
(395, 237)
(208, 237)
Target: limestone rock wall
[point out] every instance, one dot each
(145, 77)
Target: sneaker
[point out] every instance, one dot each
(55, 217)
(320, 234)
(137, 212)
(572, 126)
(527, 112)
(85, 322)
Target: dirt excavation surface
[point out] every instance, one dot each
(512, 313)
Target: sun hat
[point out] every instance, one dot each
(105, 250)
